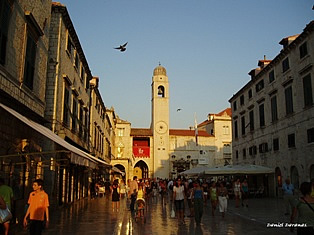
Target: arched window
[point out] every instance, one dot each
(161, 91)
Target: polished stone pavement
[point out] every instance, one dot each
(97, 217)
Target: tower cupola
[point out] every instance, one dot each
(159, 70)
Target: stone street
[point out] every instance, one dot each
(97, 217)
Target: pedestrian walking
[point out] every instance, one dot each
(170, 188)
(6, 193)
(107, 185)
(178, 198)
(305, 210)
(38, 209)
(190, 199)
(122, 189)
(222, 198)
(237, 191)
(92, 189)
(163, 191)
(154, 187)
(198, 197)
(288, 196)
(133, 192)
(213, 197)
(245, 193)
(205, 190)
(115, 196)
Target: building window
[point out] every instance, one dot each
(261, 115)
(66, 105)
(5, 12)
(77, 60)
(235, 129)
(289, 100)
(82, 75)
(225, 130)
(81, 121)
(237, 154)
(259, 86)
(243, 125)
(253, 150)
(242, 100)
(285, 65)
(30, 59)
(263, 148)
(120, 131)
(234, 105)
(70, 46)
(86, 126)
(303, 50)
(307, 90)
(244, 153)
(273, 104)
(250, 94)
(291, 140)
(74, 113)
(310, 135)
(271, 76)
(276, 144)
(251, 115)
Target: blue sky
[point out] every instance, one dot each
(208, 47)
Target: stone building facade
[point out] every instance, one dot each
(220, 126)
(44, 104)
(24, 40)
(273, 114)
(160, 151)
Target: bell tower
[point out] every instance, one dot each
(160, 122)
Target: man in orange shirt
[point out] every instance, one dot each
(38, 208)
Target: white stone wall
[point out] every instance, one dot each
(302, 118)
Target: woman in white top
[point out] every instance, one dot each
(178, 198)
(237, 191)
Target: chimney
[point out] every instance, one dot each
(263, 63)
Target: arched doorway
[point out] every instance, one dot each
(121, 168)
(141, 170)
(278, 180)
(294, 177)
(312, 172)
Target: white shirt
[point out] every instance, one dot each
(179, 192)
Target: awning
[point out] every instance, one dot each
(77, 156)
(195, 171)
(116, 169)
(239, 169)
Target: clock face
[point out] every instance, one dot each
(161, 127)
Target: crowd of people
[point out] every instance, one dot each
(196, 192)
(192, 195)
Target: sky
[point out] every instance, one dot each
(207, 47)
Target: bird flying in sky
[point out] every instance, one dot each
(178, 110)
(122, 48)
